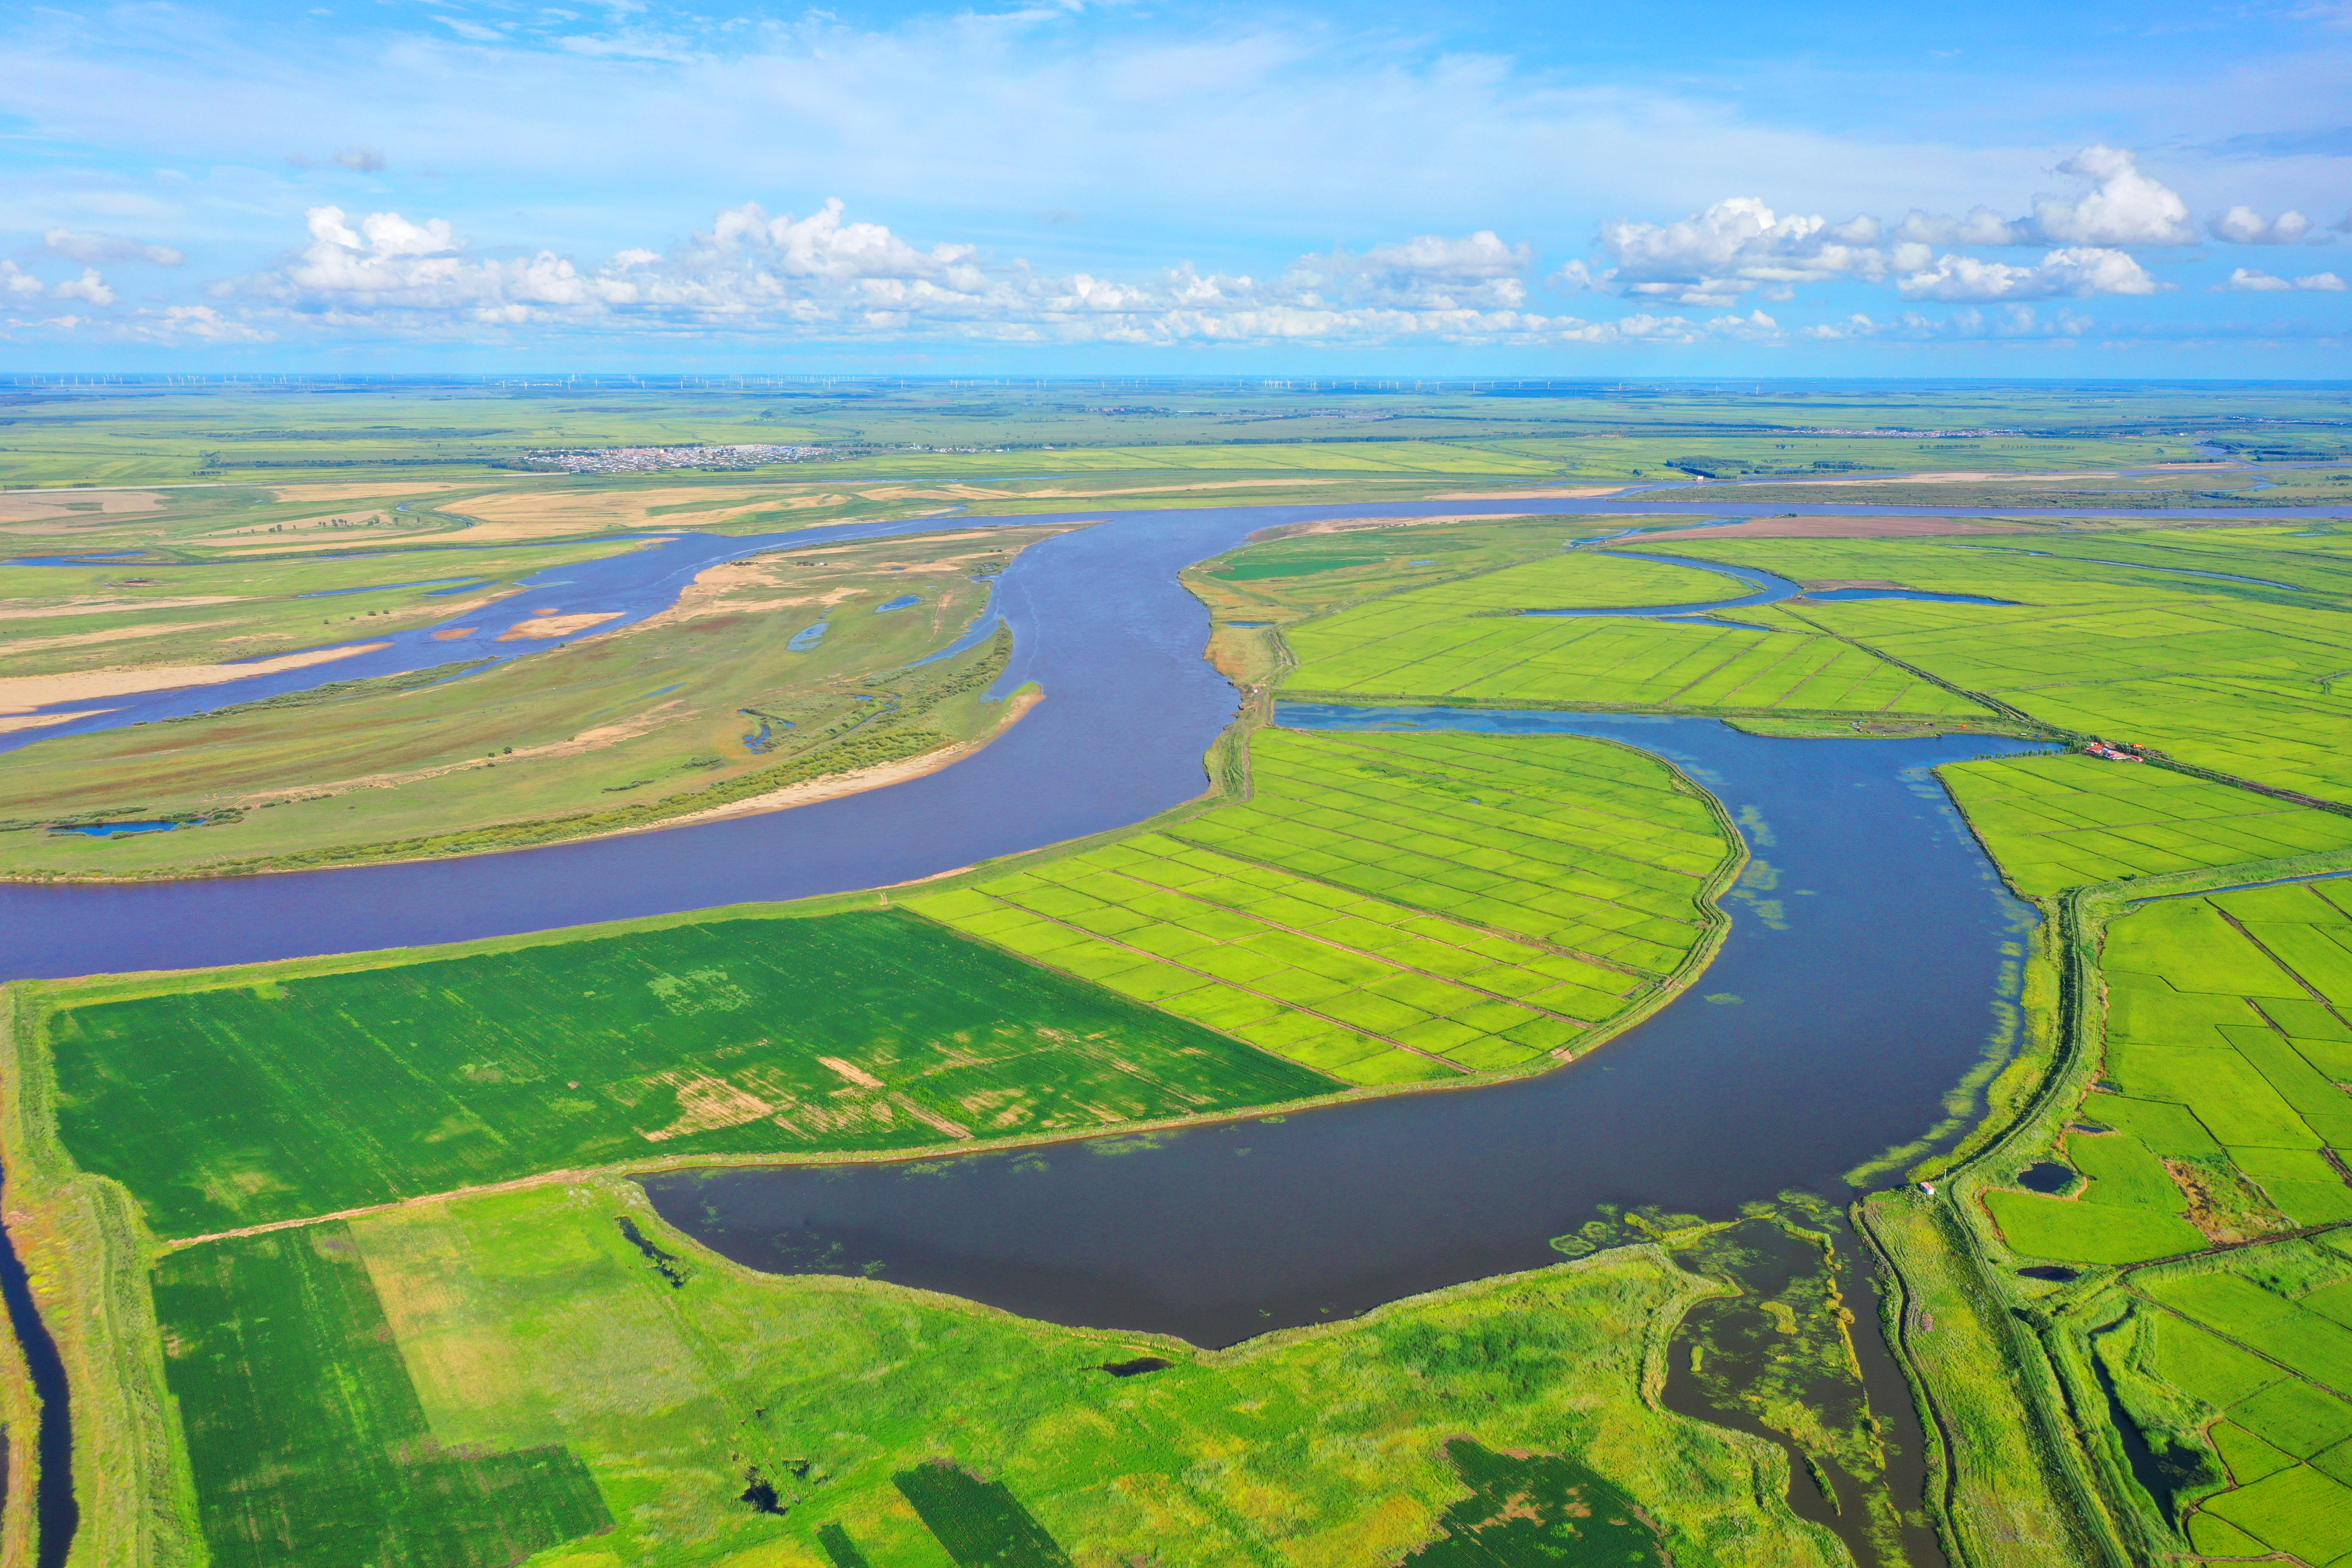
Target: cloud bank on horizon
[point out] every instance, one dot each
(1069, 186)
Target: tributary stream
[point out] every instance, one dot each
(1863, 976)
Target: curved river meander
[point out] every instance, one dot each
(1866, 970)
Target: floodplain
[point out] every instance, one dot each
(338, 1252)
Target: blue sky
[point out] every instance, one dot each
(1482, 188)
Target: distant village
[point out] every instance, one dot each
(650, 459)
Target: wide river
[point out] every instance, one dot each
(1852, 993)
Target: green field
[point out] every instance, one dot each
(321, 1093)
(2214, 1213)
(497, 1348)
(1405, 646)
(1285, 579)
(2059, 822)
(2237, 677)
(1388, 907)
(2222, 1093)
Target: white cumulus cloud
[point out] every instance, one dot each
(1736, 246)
(2250, 280)
(2244, 225)
(88, 287)
(2124, 206)
(2079, 271)
(15, 279)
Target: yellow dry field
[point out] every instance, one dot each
(37, 512)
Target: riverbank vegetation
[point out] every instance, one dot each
(559, 1373)
(767, 672)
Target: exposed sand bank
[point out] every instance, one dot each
(546, 628)
(42, 720)
(23, 693)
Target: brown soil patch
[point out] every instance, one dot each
(453, 633)
(1848, 528)
(75, 506)
(22, 693)
(855, 1074)
(544, 511)
(706, 1104)
(550, 625)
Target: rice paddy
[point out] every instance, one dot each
(1282, 579)
(293, 1092)
(2054, 823)
(2210, 1160)
(1387, 908)
(1467, 640)
(2237, 677)
(748, 1419)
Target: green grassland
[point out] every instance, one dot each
(1462, 642)
(355, 1086)
(1283, 580)
(660, 719)
(2233, 676)
(1390, 908)
(488, 1353)
(2054, 823)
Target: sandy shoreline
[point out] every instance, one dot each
(24, 693)
(832, 786)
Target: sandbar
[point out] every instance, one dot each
(545, 628)
(23, 693)
(43, 720)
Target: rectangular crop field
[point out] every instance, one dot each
(2058, 821)
(1469, 640)
(1387, 906)
(2238, 676)
(314, 1094)
(2249, 1335)
(2223, 1114)
(304, 1431)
